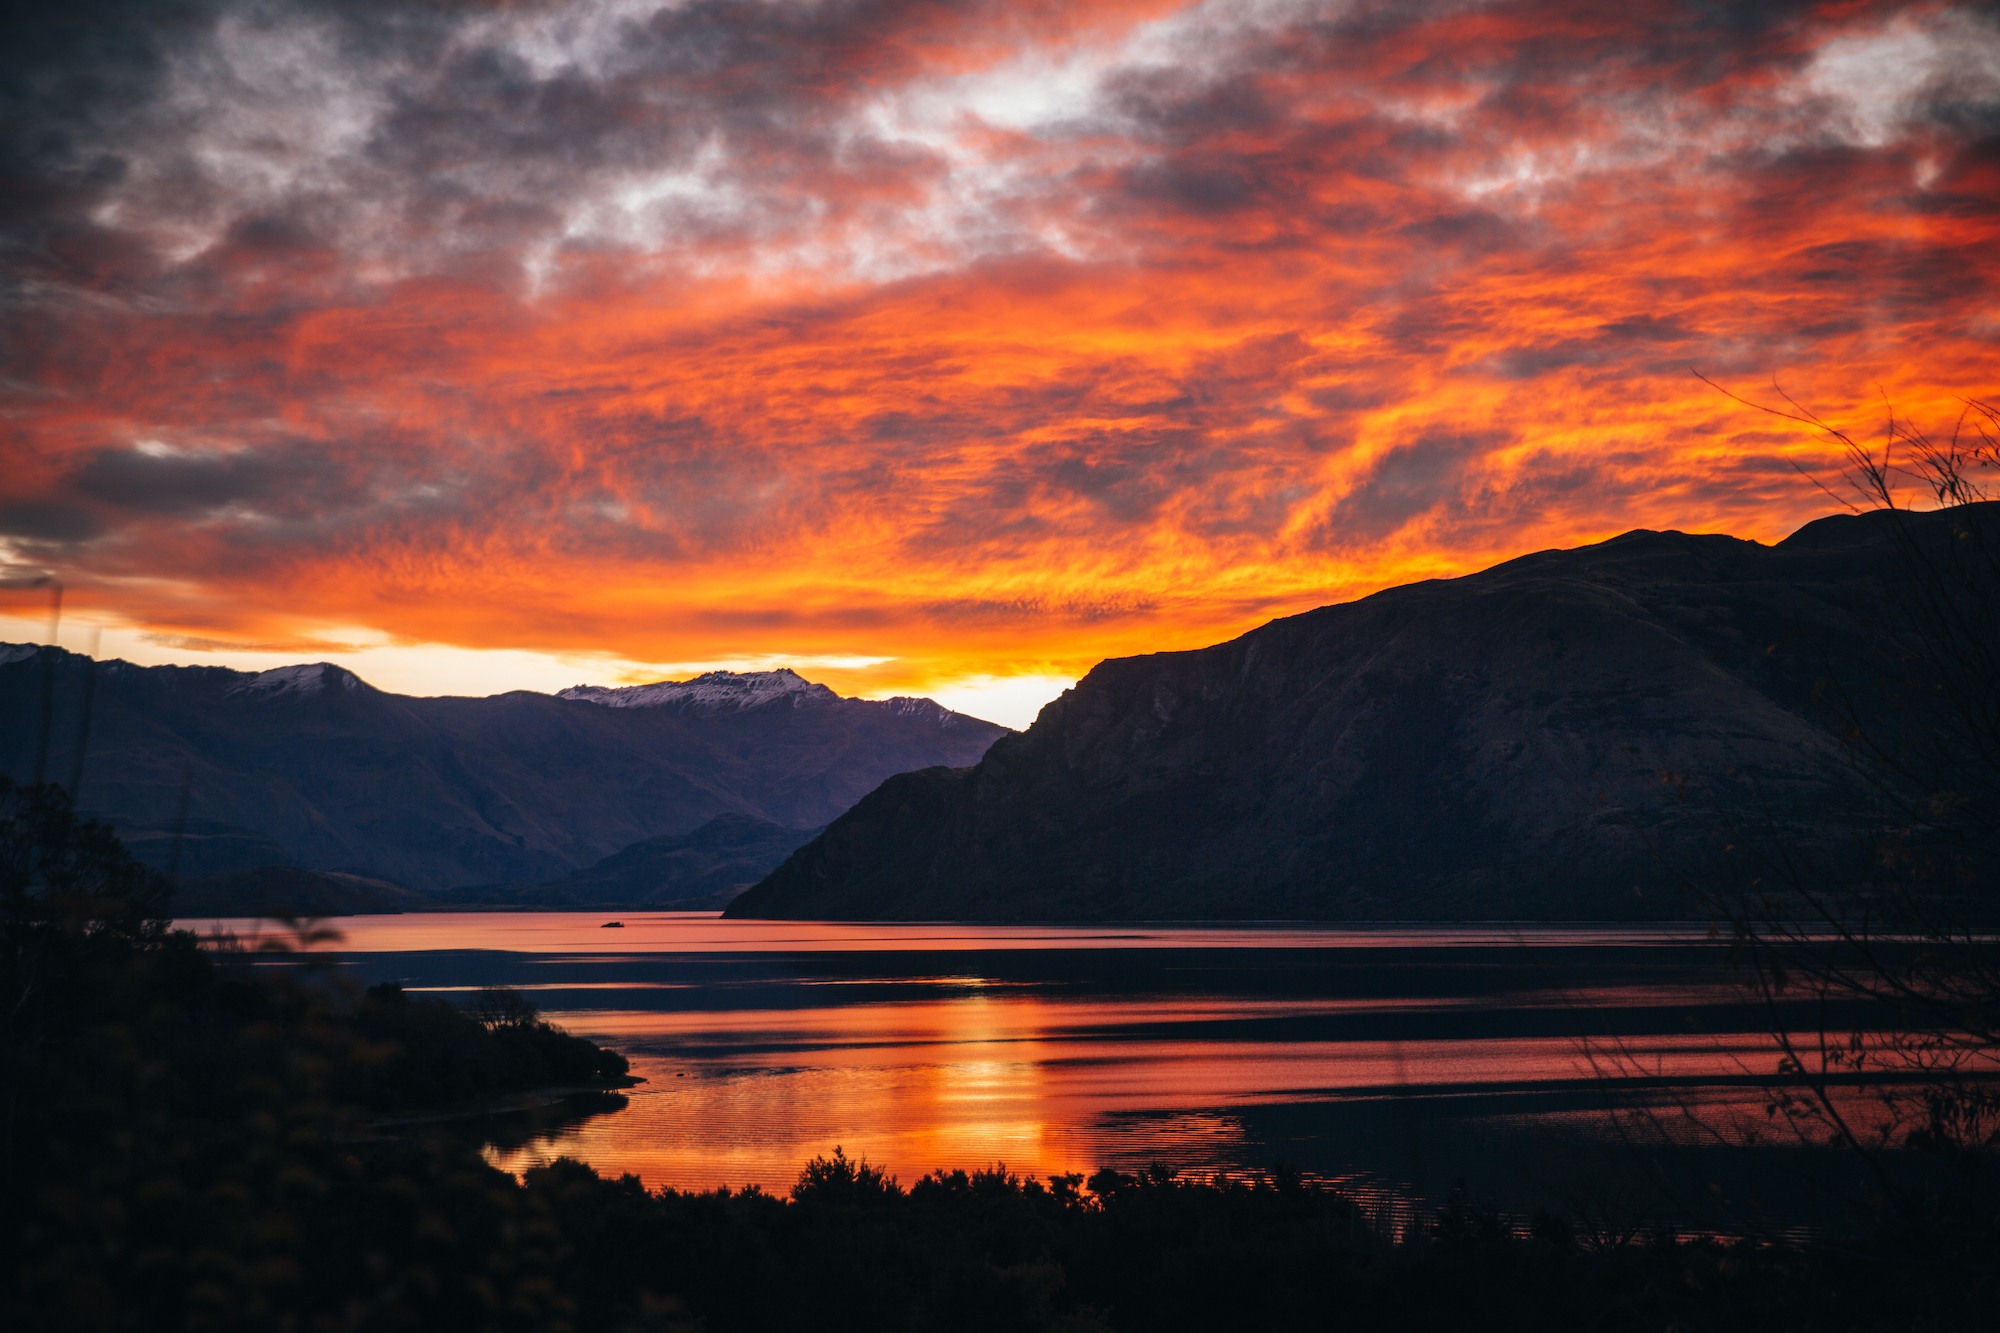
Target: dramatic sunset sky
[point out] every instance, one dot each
(936, 348)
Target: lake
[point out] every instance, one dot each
(1397, 1060)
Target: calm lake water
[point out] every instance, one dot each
(1397, 1059)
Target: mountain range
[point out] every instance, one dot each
(1573, 734)
(677, 872)
(218, 771)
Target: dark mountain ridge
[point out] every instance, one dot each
(679, 872)
(1501, 745)
(311, 766)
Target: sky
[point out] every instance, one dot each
(934, 348)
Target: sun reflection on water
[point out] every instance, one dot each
(1375, 1053)
(1043, 1085)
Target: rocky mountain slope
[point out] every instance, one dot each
(310, 766)
(1572, 734)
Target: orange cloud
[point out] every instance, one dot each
(981, 342)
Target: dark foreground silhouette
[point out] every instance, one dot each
(196, 1139)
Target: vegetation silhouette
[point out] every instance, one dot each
(1877, 965)
(988, 1250)
(1881, 974)
(190, 1137)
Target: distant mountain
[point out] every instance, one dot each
(290, 891)
(311, 766)
(682, 872)
(713, 692)
(1499, 745)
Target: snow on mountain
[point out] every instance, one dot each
(710, 692)
(305, 678)
(907, 706)
(310, 766)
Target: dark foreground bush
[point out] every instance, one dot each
(190, 1142)
(433, 1053)
(990, 1251)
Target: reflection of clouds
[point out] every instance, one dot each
(568, 938)
(1057, 1101)
(996, 1056)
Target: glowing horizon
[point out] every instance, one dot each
(430, 669)
(943, 350)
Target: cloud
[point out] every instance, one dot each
(1879, 80)
(46, 520)
(159, 481)
(1408, 482)
(977, 334)
(307, 647)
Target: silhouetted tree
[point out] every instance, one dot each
(188, 1138)
(844, 1182)
(1904, 962)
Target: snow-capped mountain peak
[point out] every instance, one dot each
(710, 692)
(904, 705)
(304, 678)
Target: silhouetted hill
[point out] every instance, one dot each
(683, 872)
(309, 765)
(1499, 745)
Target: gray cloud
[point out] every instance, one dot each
(48, 520)
(285, 480)
(1407, 482)
(473, 138)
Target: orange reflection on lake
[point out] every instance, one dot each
(1044, 1086)
(1398, 1057)
(708, 932)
